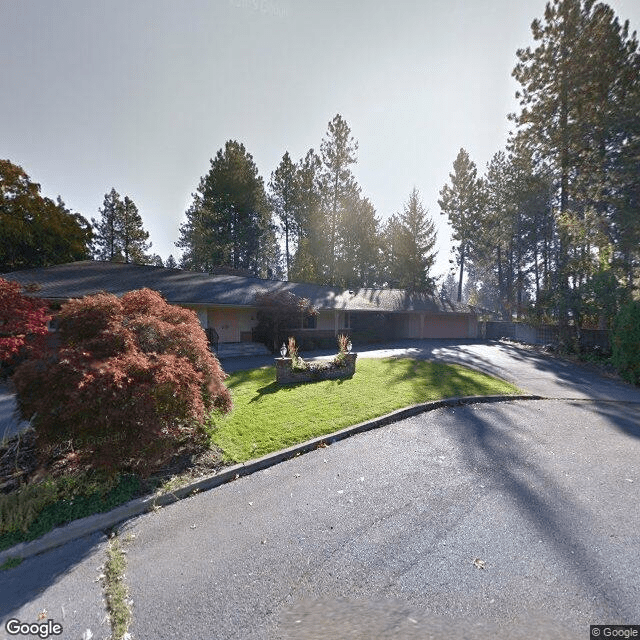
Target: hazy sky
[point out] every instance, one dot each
(139, 95)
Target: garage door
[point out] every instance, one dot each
(446, 326)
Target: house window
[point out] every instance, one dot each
(310, 322)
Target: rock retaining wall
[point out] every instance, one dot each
(285, 374)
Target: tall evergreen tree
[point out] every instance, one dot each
(420, 254)
(132, 233)
(284, 201)
(409, 247)
(229, 220)
(359, 245)
(462, 203)
(105, 230)
(338, 187)
(308, 262)
(393, 242)
(119, 235)
(579, 111)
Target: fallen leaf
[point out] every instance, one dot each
(478, 564)
(251, 504)
(42, 615)
(193, 526)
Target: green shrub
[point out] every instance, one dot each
(625, 342)
(37, 508)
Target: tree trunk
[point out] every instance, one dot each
(461, 273)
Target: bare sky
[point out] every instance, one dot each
(140, 95)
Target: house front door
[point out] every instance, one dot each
(225, 322)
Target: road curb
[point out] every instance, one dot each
(139, 506)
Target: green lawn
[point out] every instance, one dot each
(267, 417)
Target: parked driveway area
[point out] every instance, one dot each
(517, 519)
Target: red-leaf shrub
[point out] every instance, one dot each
(21, 318)
(133, 377)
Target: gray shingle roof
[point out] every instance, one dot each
(77, 279)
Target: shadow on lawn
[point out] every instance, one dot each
(275, 387)
(430, 380)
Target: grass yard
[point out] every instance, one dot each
(267, 417)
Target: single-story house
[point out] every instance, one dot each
(227, 303)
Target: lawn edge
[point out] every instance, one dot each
(109, 519)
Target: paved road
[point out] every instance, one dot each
(376, 536)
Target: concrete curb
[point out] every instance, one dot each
(107, 520)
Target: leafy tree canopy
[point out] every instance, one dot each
(35, 231)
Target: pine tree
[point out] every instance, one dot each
(119, 235)
(393, 244)
(579, 113)
(132, 234)
(359, 242)
(284, 201)
(312, 249)
(229, 220)
(419, 247)
(338, 187)
(462, 204)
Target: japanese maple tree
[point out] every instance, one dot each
(133, 378)
(22, 320)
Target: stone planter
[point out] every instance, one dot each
(286, 375)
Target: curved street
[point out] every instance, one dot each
(512, 520)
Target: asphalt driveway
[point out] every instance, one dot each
(518, 519)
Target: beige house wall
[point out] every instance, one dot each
(234, 324)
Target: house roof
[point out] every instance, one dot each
(78, 279)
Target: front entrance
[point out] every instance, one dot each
(225, 322)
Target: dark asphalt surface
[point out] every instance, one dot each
(376, 536)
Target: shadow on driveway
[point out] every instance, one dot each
(489, 448)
